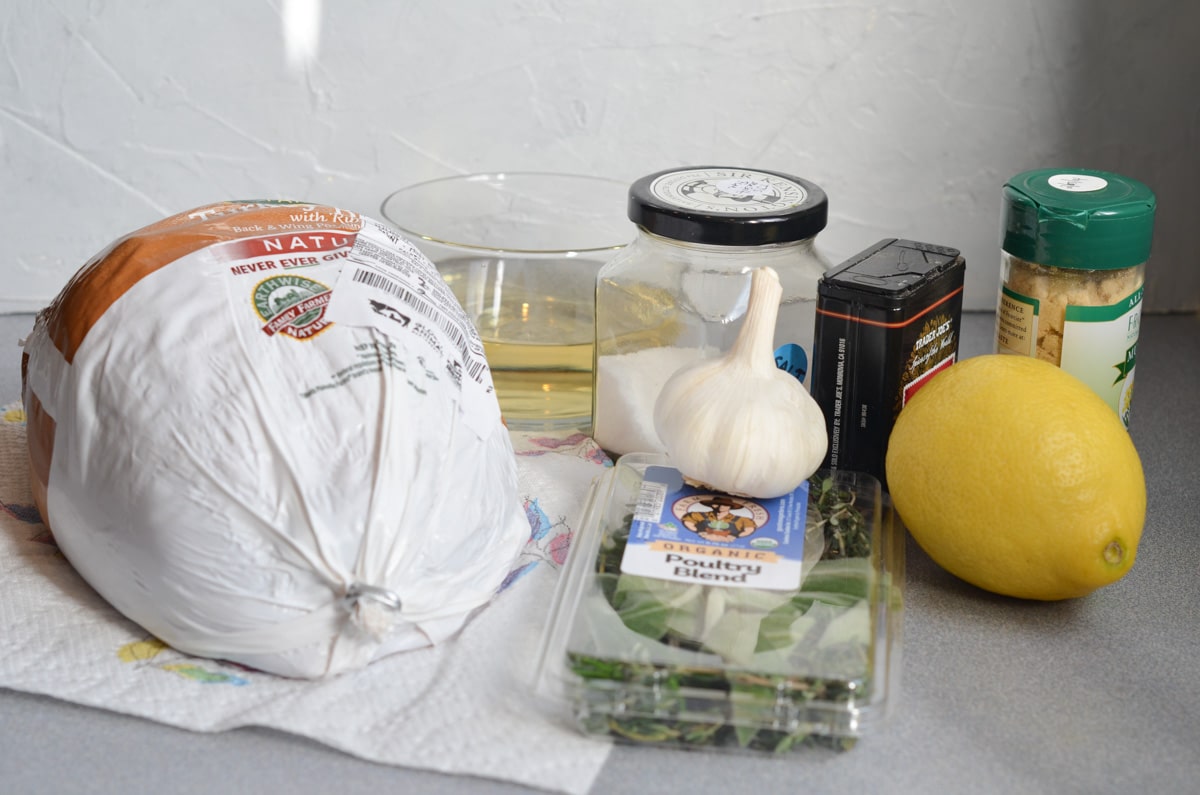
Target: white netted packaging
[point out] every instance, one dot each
(266, 433)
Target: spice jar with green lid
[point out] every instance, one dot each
(1075, 246)
(678, 293)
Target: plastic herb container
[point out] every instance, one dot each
(706, 662)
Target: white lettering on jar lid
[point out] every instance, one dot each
(728, 191)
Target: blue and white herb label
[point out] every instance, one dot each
(705, 537)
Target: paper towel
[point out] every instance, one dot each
(464, 707)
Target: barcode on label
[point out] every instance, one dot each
(650, 502)
(471, 365)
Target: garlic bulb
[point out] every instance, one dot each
(738, 423)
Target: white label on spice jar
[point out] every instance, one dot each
(1100, 348)
(1017, 323)
(1078, 183)
(704, 537)
(731, 191)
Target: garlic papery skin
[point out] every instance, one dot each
(738, 423)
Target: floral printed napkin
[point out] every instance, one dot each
(464, 707)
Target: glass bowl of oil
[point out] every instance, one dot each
(521, 250)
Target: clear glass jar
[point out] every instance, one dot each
(677, 293)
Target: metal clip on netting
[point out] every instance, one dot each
(371, 608)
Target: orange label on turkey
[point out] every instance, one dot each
(293, 231)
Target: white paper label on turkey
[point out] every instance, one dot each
(388, 285)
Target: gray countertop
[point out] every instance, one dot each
(1095, 695)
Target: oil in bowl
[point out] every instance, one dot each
(537, 331)
(521, 252)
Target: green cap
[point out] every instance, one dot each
(1078, 218)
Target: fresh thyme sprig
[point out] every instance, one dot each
(846, 531)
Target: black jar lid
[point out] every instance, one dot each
(728, 206)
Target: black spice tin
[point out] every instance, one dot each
(887, 319)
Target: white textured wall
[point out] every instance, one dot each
(911, 115)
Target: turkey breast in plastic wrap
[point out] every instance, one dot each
(265, 432)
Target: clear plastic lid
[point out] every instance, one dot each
(699, 657)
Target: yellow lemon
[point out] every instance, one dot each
(1013, 475)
